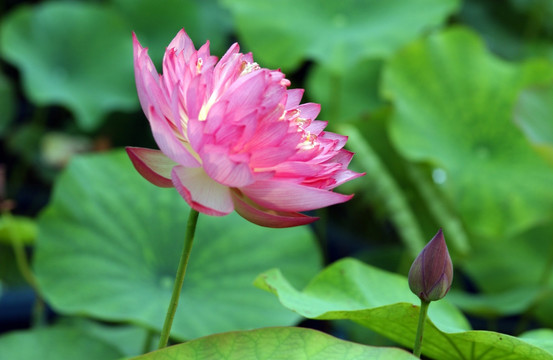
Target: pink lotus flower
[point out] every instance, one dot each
(233, 137)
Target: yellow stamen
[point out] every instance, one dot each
(199, 64)
(248, 67)
(309, 141)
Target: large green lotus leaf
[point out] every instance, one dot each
(511, 302)
(381, 301)
(128, 339)
(540, 337)
(534, 114)
(109, 244)
(346, 95)
(156, 23)
(525, 284)
(338, 34)
(7, 102)
(453, 105)
(522, 260)
(55, 343)
(275, 344)
(73, 54)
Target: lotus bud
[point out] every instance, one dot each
(431, 274)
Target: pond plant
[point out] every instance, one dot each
(168, 203)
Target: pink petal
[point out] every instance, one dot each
(270, 156)
(227, 70)
(343, 157)
(157, 110)
(245, 126)
(201, 192)
(294, 98)
(145, 71)
(340, 140)
(149, 83)
(153, 165)
(204, 54)
(316, 127)
(274, 93)
(229, 133)
(271, 134)
(297, 169)
(215, 117)
(268, 218)
(345, 175)
(173, 71)
(219, 165)
(195, 96)
(291, 197)
(166, 138)
(309, 110)
(233, 49)
(246, 91)
(196, 134)
(181, 42)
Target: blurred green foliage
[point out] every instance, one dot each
(448, 105)
(7, 101)
(70, 71)
(533, 113)
(464, 126)
(336, 34)
(69, 343)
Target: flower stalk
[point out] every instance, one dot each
(38, 312)
(417, 348)
(181, 272)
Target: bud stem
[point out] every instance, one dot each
(420, 328)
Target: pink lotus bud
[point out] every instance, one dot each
(431, 274)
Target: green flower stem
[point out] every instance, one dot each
(181, 271)
(420, 328)
(22, 263)
(19, 252)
